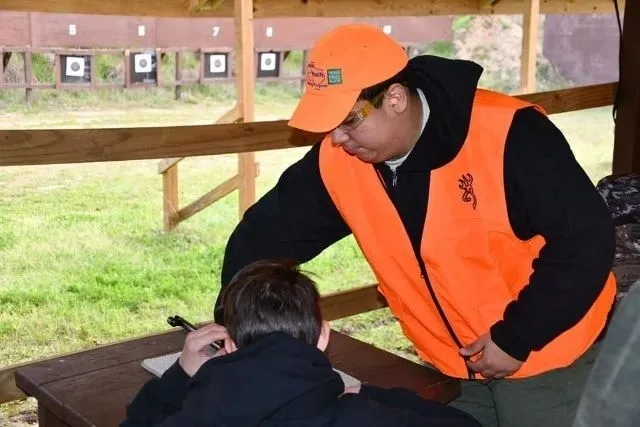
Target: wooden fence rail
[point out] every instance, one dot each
(53, 146)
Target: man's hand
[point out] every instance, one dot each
(493, 362)
(195, 351)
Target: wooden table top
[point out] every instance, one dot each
(93, 388)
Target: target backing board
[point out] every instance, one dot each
(269, 64)
(216, 65)
(75, 69)
(143, 67)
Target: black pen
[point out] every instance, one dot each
(187, 326)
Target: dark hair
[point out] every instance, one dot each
(403, 77)
(269, 296)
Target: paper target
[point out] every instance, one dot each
(74, 66)
(143, 63)
(75, 69)
(268, 61)
(269, 64)
(217, 63)
(143, 68)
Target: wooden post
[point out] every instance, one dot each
(2, 65)
(530, 20)
(28, 74)
(158, 52)
(127, 69)
(170, 197)
(178, 89)
(57, 73)
(28, 63)
(94, 69)
(626, 147)
(245, 88)
(6, 57)
(173, 215)
(303, 82)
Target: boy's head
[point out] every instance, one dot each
(273, 296)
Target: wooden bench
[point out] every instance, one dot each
(93, 387)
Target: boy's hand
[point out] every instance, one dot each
(195, 350)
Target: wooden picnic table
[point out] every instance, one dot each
(94, 387)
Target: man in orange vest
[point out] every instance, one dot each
(489, 242)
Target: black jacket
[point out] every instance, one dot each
(547, 194)
(279, 381)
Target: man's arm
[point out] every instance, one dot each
(549, 194)
(296, 220)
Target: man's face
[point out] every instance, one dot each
(369, 133)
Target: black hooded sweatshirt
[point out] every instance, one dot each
(279, 381)
(547, 193)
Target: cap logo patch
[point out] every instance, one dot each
(334, 76)
(316, 77)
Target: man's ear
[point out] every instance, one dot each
(398, 98)
(323, 339)
(230, 346)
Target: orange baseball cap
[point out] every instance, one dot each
(342, 62)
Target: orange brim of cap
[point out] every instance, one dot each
(322, 113)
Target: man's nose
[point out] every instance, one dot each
(338, 136)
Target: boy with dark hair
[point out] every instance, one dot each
(272, 370)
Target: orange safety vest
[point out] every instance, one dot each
(474, 262)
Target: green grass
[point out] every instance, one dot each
(84, 260)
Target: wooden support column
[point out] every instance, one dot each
(530, 20)
(28, 74)
(245, 88)
(173, 215)
(626, 148)
(6, 57)
(3, 65)
(170, 197)
(178, 88)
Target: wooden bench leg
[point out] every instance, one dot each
(46, 418)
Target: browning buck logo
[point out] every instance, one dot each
(466, 185)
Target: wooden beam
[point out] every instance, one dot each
(245, 89)
(53, 146)
(298, 8)
(216, 194)
(530, 20)
(626, 147)
(574, 99)
(351, 302)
